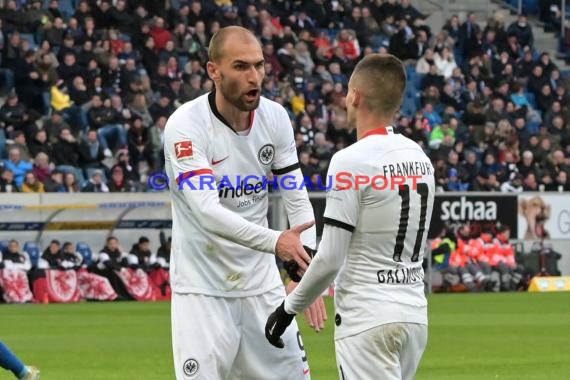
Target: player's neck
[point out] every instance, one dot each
(238, 120)
(367, 122)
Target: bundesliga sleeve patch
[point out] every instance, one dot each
(183, 150)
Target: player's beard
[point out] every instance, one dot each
(232, 94)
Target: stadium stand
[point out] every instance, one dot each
(120, 68)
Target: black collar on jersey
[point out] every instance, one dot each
(212, 101)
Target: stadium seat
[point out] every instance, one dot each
(32, 249)
(85, 251)
(4, 245)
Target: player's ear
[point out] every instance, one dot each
(212, 69)
(357, 97)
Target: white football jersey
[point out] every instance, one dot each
(212, 221)
(382, 278)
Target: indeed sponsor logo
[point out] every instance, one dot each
(229, 187)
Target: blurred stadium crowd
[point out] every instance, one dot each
(88, 87)
(71, 273)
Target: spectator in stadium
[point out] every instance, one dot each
(40, 144)
(66, 150)
(442, 136)
(54, 183)
(54, 125)
(19, 141)
(32, 184)
(106, 121)
(91, 152)
(141, 256)
(42, 167)
(513, 184)
(113, 259)
(69, 68)
(480, 246)
(52, 256)
(139, 143)
(161, 274)
(454, 183)
(7, 181)
(17, 166)
(51, 259)
(28, 82)
(156, 132)
(70, 183)
(70, 259)
(502, 258)
(459, 262)
(10, 362)
(14, 116)
(523, 32)
(96, 183)
(118, 183)
(14, 267)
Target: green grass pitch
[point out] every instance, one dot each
(510, 336)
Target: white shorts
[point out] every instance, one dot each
(224, 338)
(387, 352)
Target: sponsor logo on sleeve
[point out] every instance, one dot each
(183, 150)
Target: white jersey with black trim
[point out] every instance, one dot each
(382, 279)
(220, 242)
(377, 218)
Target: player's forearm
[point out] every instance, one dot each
(218, 220)
(331, 255)
(300, 210)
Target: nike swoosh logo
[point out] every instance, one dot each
(306, 371)
(216, 162)
(272, 328)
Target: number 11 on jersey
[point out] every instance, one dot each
(404, 194)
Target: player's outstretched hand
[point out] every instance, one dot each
(276, 325)
(289, 246)
(295, 273)
(316, 314)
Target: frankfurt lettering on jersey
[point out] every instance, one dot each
(400, 276)
(410, 168)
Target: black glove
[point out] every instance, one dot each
(292, 267)
(276, 325)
